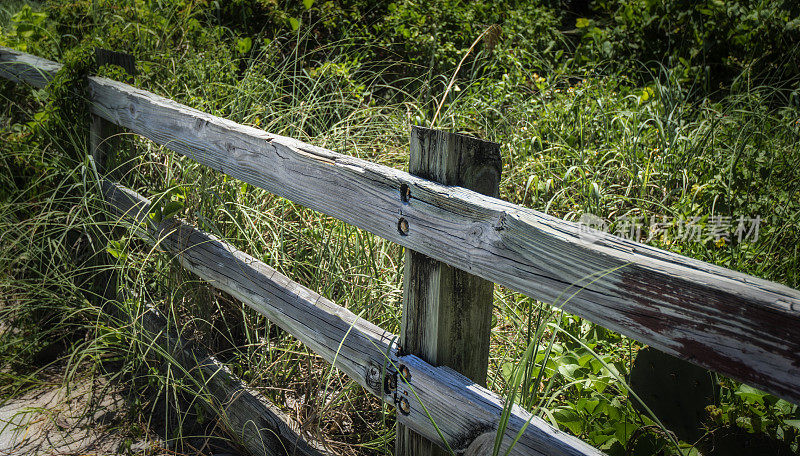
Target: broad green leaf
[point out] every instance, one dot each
(598, 385)
(612, 409)
(589, 405)
(750, 394)
(155, 215)
(624, 431)
(568, 370)
(171, 209)
(115, 249)
(244, 45)
(599, 439)
(570, 419)
(785, 407)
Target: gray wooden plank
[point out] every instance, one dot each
(466, 413)
(447, 312)
(741, 326)
(21, 67)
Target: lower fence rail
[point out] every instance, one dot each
(435, 402)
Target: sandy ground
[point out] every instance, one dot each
(67, 420)
(87, 419)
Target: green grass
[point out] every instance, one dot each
(576, 138)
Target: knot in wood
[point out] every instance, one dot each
(133, 111)
(474, 234)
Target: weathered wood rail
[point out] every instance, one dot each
(741, 326)
(363, 351)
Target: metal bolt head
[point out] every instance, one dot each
(404, 406)
(405, 373)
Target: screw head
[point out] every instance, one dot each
(405, 193)
(402, 226)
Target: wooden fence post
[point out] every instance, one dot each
(103, 135)
(446, 311)
(103, 144)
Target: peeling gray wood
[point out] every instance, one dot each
(741, 326)
(447, 312)
(463, 410)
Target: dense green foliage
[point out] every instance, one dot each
(658, 112)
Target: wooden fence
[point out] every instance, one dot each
(738, 325)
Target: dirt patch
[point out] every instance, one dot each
(66, 419)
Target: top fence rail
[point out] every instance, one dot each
(738, 325)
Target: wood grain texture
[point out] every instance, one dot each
(447, 312)
(741, 326)
(463, 410)
(25, 68)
